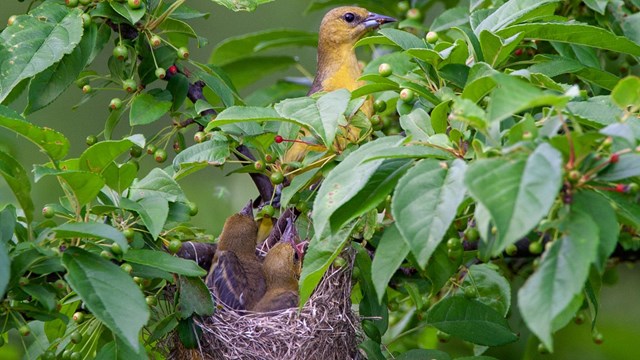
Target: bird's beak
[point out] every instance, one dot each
(374, 20)
(290, 235)
(247, 210)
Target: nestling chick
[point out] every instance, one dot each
(236, 276)
(282, 270)
(338, 66)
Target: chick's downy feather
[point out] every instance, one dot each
(236, 276)
(282, 270)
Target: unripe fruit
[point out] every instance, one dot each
(71, 3)
(339, 262)
(527, 135)
(407, 95)
(511, 249)
(75, 356)
(268, 211)
(135, 151)
(385, 69)
(155, 41)
(66, 354)
(199, 137)
(134, 4)
(115, 104)
(151, 149)
(87, 89)
(151, 300)
(432, 37)
(177, 147)
(276, 178)
(24, 330)
(78, 317)
(574, 175)
(48, 355)
(85, 2)
(454, 254)
(379, 106)
(76, 337)
(193, 208)
(471, 234)
(454, 243)
(161, 73)
(269, 158)
(126, 267)
(23, 281)
(579, 319)
(60, 284)
(470, 292)
(129, 234)
(542, 349)
(535, 247)
(183, 53)
(86, 20)
(174, 246)
(48, 212)
(116, 249)
(302, 206)
(598, 338)
(107, 255)
(120, 52)
(258, 165)
(414, 14)
(129, 85)
(160, 155)
(11, 20)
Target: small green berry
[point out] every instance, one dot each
(48, 212)
(151, 300)
(193, 208)
(155, 41)
(380, 106)
(116, 249)
(23, 281)
(174, 246)
(24, 330)
(71, 3)
(471, 234)
(134, 4)
(385, 69)
(277, 178)
(115, 104)
(78, 317)
(268, 211)
(199, 137)
(160, 155)
(129, 234)
(120, 52)
(535, 247)
(470, 292)
(183, 53)
(87, 89)
(269, 158)
(126, 267)
(161, 73)
(129, 85)
(414, 14)
(76, 337)
(511, 249)
(432, 37)
(454, 243)
(86, 20)
(407, 95)
(151, 149)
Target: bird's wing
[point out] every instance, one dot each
(278, 301)
(228, 280)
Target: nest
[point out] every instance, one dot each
(325, 328)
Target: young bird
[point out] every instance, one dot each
(338, 66)
(282, 270)
(236, 276)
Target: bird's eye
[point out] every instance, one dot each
(349, 17)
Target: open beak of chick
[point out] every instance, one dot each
(374, 20)
(291, 236)
(247, 210)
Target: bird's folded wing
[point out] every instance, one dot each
(228, 280)
(283, 300)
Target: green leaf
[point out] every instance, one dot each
(492, 288)
(297, 184)
(347, 180)
(157, 183)
(36, 41)
(102, 154)
(214, 79)
(495, 49)
(147, 108)
(322, 116)
(370, 307)
(513, 12)
(247, 45)
(18, 180)
(518, 192)
(597, 5)
(604, 217)
(92, 231)
(417, 124)
(239, 114)
(597, 111)
(470, 320)
(132, 15)
(5, 268)
(627, 93)
(421, 354)
(403, 39)
(390, 253)
(450, 18)
(153, 211)
(425, 203)
(84, 185)
(163, 261)
(108, 292)
(212, 152)
(120, 177)
(574, 33)
(517, 95)
(628, 166)
(45, 87)
(317, 258)
(195, 297)
(241, 5)
(44, 295)
(560, 277)
(51, 142)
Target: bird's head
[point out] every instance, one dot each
(347, 24)
(282, 264)
(239, 232)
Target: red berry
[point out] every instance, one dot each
(518, 52)
(278, 139)
(172, 69)
(621, 188)
(614, 158)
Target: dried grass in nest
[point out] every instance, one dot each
(324, 329)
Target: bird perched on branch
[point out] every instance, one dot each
(282, 270)
(338, 66)
(236, 276)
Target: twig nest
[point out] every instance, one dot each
(324, 329)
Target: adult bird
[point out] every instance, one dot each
(236, 276)
(338, 66)
(281, 269)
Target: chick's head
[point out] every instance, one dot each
(282, 264)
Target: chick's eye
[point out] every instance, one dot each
(349, 17)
